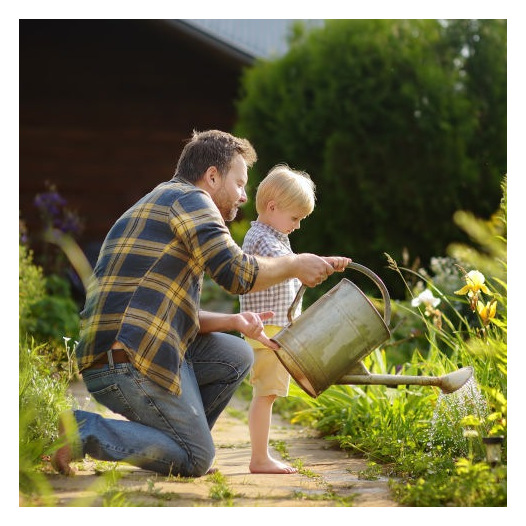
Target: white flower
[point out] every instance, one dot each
(425, 298)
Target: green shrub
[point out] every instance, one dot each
(47, 310)
(54, 315)
(45, 368)
(399, 122)
(42, 397)
(31, 287)
(468, 483)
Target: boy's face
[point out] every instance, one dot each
(284, 220)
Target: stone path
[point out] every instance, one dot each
(328, 477)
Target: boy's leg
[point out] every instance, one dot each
(259, 418)
(269, 379)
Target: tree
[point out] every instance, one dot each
(399, 122)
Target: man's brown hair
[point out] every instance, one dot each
(212, 148)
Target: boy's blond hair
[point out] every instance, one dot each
(288, 188)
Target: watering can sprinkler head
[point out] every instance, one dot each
(451, 382)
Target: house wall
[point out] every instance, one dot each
(105, 106)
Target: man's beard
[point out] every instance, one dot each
(230, 214)
(227, 208)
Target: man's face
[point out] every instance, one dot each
(231, 194)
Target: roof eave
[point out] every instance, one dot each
(245, 58)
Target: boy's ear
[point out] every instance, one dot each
(271, 206)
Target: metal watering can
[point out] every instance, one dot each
(326, 343)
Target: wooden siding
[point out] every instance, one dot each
(105, 106)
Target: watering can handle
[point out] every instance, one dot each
(364, 270)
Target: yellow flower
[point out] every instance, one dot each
(474, 283)
(487, 312)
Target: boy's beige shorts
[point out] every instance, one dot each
(268, 376)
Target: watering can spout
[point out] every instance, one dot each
(448, 383)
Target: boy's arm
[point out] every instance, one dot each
(310, 269)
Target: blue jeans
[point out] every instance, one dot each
(164, 432)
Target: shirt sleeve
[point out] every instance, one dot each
(198, 224)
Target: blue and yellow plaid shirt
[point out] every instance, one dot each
(146, 286)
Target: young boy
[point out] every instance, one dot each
(283, 199)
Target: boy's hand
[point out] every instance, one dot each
(338, 263)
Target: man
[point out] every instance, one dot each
(146, 350)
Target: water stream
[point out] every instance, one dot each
(445, 429)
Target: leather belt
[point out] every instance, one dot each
(119, 356)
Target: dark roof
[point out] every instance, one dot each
(246, 39)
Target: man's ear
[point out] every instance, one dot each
(212, 178)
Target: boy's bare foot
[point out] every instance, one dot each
(271, 465)
(62, 457)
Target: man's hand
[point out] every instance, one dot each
(251, 325)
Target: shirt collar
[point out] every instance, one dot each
(267, 228)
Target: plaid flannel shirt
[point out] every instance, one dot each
(263, 240)
(146, 286)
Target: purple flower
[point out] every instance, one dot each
(55, 213)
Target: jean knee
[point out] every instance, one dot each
(202, 463)
(247, 355)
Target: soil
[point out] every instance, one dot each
(328, 477)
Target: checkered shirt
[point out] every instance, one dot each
(263, 240)
(146, 286)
